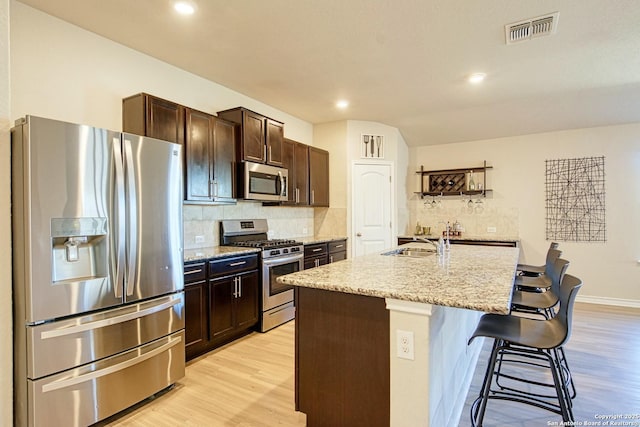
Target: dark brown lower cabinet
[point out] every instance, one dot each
(342, 374)
(317, 254)
(234, 304)
(221, 301)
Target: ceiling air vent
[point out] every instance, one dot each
(530, 28)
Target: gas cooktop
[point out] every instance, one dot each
(266, 243)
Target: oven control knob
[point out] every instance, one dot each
(285, 251)
(274, 253)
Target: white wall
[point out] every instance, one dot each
(6, 355)
(343, 140)
(610, 271)
(395, 151)
(64, 72)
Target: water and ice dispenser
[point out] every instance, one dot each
(79, 249)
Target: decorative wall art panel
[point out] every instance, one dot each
(372, 146)
(575, 200)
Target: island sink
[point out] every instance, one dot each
(411, 252)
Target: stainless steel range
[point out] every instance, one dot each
(279, 257)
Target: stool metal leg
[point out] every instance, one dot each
(480, 405)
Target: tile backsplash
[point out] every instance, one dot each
(202, 222)
(475, 218)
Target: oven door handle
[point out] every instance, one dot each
(282, 260)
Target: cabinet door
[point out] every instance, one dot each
(165, 120)
(195, 317)
(247, 300)
(198, 156)
(221, 306)
(337, 256)
(274, 137)
(224, 161)
(288, 162)
(317, 261)
(302, 174)
(253, 137)
(319, 177)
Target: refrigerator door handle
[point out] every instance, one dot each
(119, 219)
(132, 220)
(108, 322)
(57, 385)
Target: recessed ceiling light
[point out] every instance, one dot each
(184, 7)
(342, 104)
(476, 78)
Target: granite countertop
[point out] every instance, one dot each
(464, 237)
(217, 252)
(472, 277)
(312, 240)
(226, 251)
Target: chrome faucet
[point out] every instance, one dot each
(448, 230)
(425, 240)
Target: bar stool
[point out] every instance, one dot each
(537, 342)
(541, 302)
(540, 283)
(536, 270)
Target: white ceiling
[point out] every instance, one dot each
(398, 62)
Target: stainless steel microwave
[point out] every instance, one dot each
(264, 182)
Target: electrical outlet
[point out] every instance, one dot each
(491, 229)
(199, 239)
(405, 344)
(305, 230)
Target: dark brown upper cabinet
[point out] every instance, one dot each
(318, 177)
(209, 143)
(209, 158)
(295, 158)
(259, 138)
(148, 115)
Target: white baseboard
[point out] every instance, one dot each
(609, 301)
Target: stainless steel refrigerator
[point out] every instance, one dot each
(98, 271)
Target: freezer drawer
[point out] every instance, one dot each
(58, 346)
(85, 395)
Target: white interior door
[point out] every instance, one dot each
(371, 208)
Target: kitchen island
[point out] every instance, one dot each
(382, 339)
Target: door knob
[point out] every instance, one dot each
(359, 234)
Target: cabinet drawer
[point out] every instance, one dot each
(194, 272)
(315, 250)
(233, 265)
(337, 246)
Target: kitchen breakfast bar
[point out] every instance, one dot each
(381, 340)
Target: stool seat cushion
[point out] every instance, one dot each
(543, 334)
(537, 269)
(535, 300)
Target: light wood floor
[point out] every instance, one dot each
(250, 382)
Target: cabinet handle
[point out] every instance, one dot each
(239, 287)
(316, 250)
(270, 157)
(330, 258)
(235, 264)
(193, 272)
(339, 246)
(317, 263)
(313, 196)
(235, 287)
(215, 188)
(297, 195)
